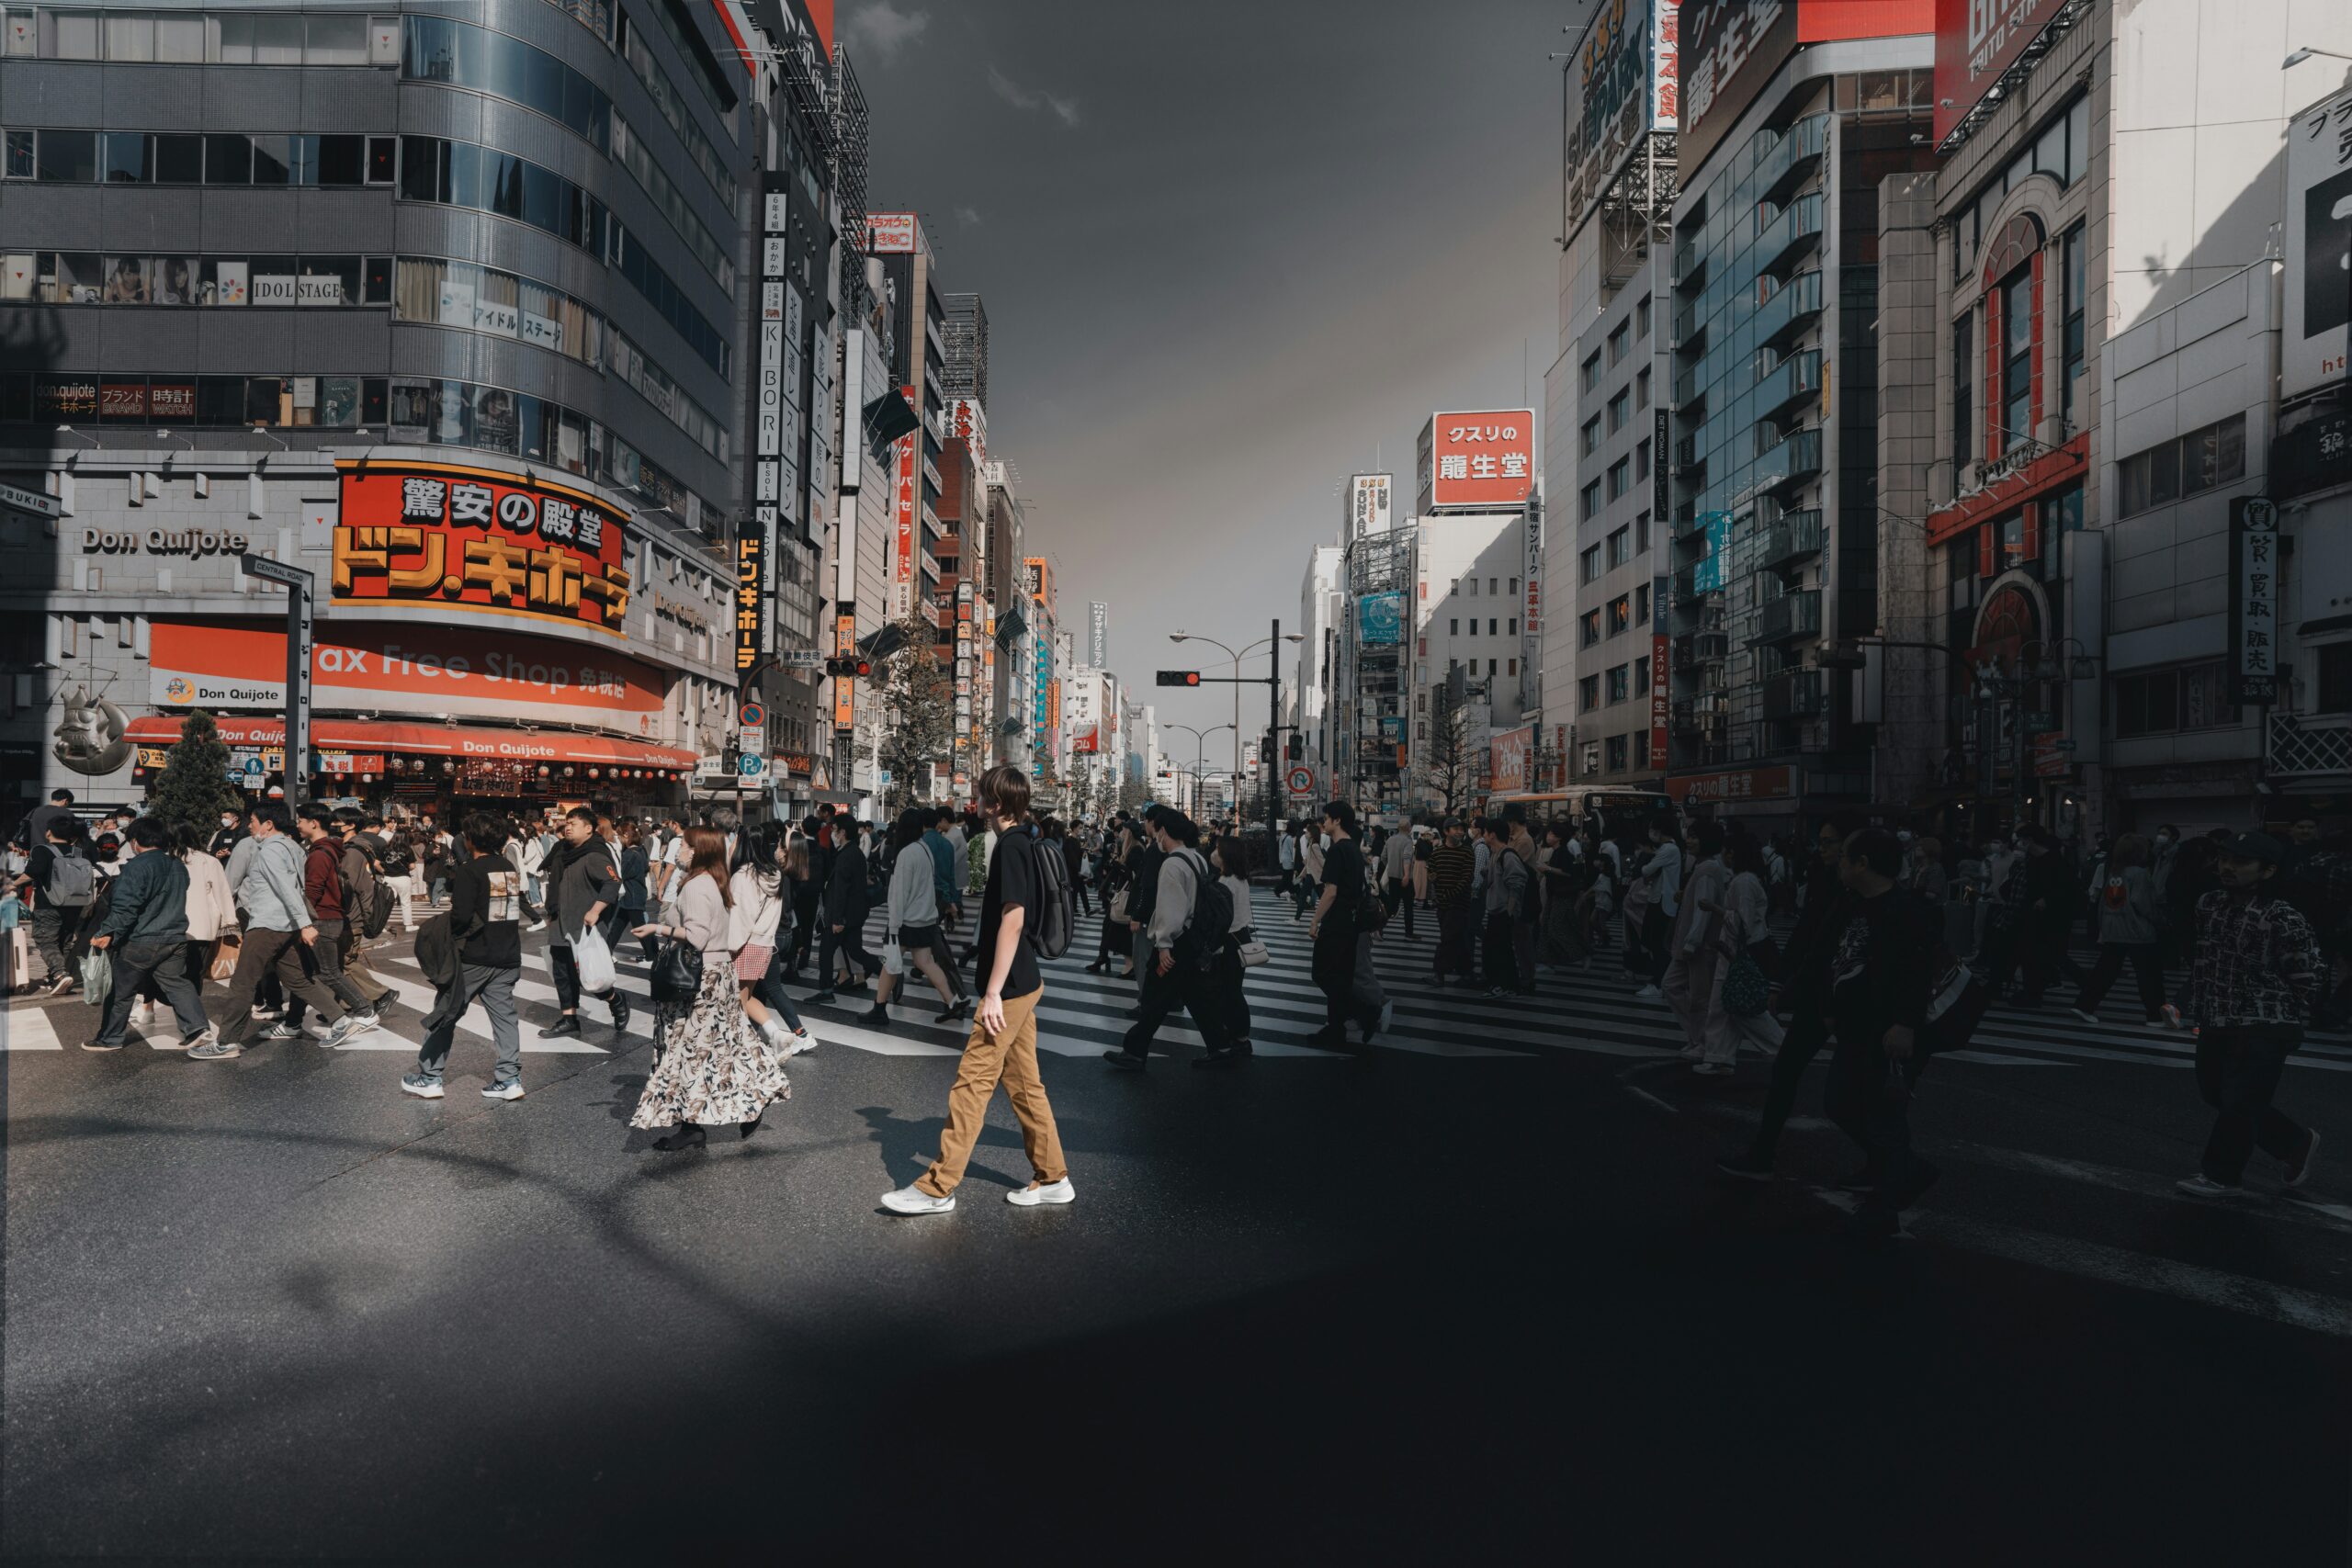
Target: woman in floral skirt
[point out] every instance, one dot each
(714, 1066)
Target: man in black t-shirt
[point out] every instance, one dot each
(1003, 1042)
(1333, 930)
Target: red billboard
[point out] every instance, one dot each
(472, 538)
(1731, 48)
(1478, 459)
(1977, 40)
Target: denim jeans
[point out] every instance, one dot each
(2237, 1071)
(495, 987)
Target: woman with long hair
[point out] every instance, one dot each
(1115, 878)
(757, 897)
(714, 1065)
(800, 874)
(912, 920)
(1226, 993)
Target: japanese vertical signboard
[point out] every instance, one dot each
(779, 421)
(458, 538)
(1368, 506)
(2254, 602)
(1531, 627)
(1478, 459)
(1659, 698)
(1098, 634)
(750, 597)
(1622, 79)
(905, 500)
(2319, 246)
(845, 686)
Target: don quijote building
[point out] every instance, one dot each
(450, 313)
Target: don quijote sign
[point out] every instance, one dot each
(194, 542)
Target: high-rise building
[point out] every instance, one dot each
(1312, 692)
(1603, 642)
(447, 315)
(965, 337)
(1784, 155)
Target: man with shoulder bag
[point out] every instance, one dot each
(1191, 915)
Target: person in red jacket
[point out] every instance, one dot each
(322, 885)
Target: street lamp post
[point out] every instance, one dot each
(1200, 736)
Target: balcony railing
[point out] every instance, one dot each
(1690, 324)
(1799, 150)
(2306, 746)
(1796, 693)
(1790, 615)
(1796, 231)
(1687, 455)
(1687, 389)
(1794, 459)
(1798, 302)
(1794, 381)
(1699, 649)
(1796, 537)
(1689, 265)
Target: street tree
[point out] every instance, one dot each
(1448, 764)
(193, 788)
(919, 714)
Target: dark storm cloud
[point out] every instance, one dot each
(1230, 250)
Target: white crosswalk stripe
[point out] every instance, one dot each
(1592, 1011)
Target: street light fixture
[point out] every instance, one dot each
(1179, 635)
(2300, 55)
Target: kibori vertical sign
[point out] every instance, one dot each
(2254, 601)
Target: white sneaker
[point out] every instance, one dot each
(512, 1090)
(1387, 1016)
(914, 1200)
(1038, 1192)
(141, 1010)
(2203, 1186)
(796, 1044)
(537, 926)
(1649, 994)
(316, 1030)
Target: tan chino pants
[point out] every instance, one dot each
(1009, 1055)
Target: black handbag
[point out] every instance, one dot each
(677, 970)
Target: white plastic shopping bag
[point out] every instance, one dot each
(594, 960)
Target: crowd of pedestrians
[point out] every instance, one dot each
(1895, 944)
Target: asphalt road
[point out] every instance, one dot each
(1475, 1297)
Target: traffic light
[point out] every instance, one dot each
(1180, 677)
(858, 668)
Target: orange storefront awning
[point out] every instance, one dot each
(431, 740)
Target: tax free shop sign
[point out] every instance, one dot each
(417, 671)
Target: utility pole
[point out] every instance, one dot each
(296, 583)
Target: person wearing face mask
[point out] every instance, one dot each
(586, 883)
(146, 927)
(224, 839)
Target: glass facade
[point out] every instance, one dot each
(1750, 392)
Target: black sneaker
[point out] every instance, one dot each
(568, 1024)
(875, 1017)
(620, 1015)
(101, 1045)
(282, 1030)
(1861, 1182)
(824, 997)
(1745, 1168)
(1125, 1060)
(1221, 1059)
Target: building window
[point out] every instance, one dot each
(1616, 744)
(1589, 562)
(2334, 686)
(1620, 543)
(1641, 677)
(1511, 625)
(1514, 585)
(1510, 666)
(1493, 629)
(2165, 702)
(1619, 407)
(1620, 614)
(1618, 341)
(1642, 388)
(1641, 462)
(1474, 587)
(1964, 389)
(1642, 605)
(1620, 683)
(2017, 359)
(1493, 585)
(2070, 377)
(1454, 625)
(1589, 502)
(1592, 434)
(2172, 470)
(1589, 628)
(1642, 534)
(1592, 371)
(1490, 669)
(1620, 477)
(1642, 318)
(1588, 693)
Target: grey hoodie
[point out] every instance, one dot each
(270, 889)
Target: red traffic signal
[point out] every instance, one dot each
(1180, 677)
(846, 667)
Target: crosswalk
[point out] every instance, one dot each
(1591, 1012)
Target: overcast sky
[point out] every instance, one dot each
(1227, 247)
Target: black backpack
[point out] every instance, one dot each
(1212, 918)
(1057, 900)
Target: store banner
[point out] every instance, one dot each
(464, 538)
(2255, 642)
(1659, 699)
(428, 671)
